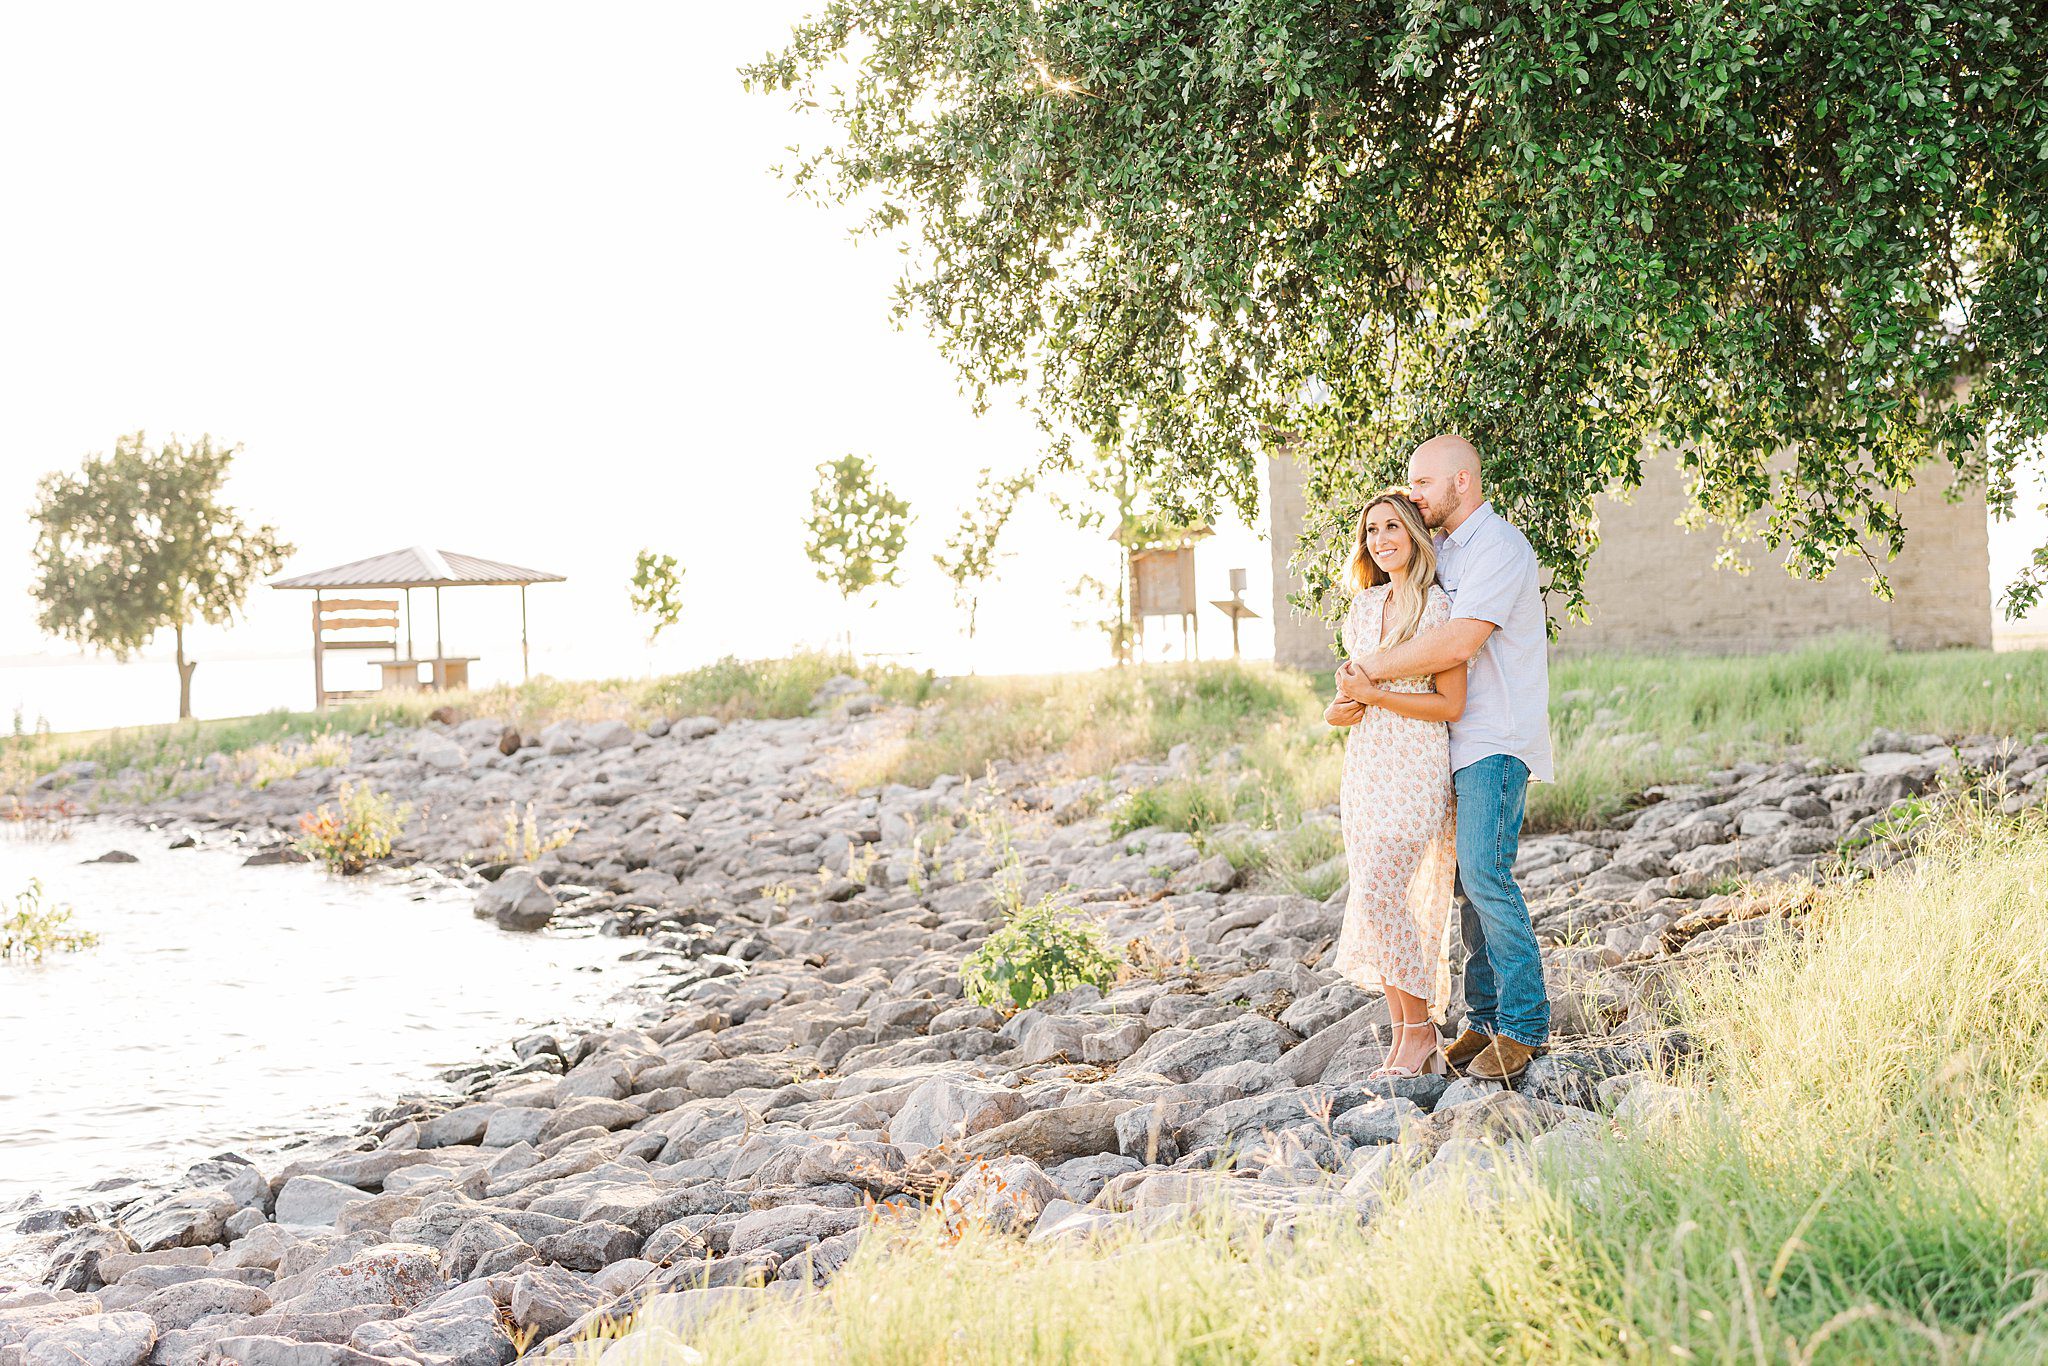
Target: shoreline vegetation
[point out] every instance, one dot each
(1621, 724)
(1852, 1166)
(1830, 1142)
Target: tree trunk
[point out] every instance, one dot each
(185, 669)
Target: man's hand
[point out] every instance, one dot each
(1355, 683)
(1344, 712)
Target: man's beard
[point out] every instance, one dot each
(1439, 511)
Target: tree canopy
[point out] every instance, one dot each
(856, 529)
(139, 542)
(1802, 243)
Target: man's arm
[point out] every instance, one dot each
(1448, 646)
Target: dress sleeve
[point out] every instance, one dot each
(1436, 610)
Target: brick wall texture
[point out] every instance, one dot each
(1653, 587)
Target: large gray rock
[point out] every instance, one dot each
(547, 1299)
(181, 1306)
(439, 752)
(587, 1247)
(460, 1332)
(191, 1218)
(1081, 1179)
(518, 900)
(591, 1111)
(124, 1339)
(874, 1167)
(17, 1322)
(1007, 1192)
(512, 1125)
(81, 1255)
(1185, 1054)
(950, 1108)
(766, 1226)
(1379, 1120)
(1050, 1137)
(465, 1124)
(475, 1239)
(315, 1200)
(255, 1349)
(608, 735)
(403, 1274)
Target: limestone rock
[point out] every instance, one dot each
(461, 1332)
(124, 1339)
(190, 1218)
(315, 1200)
(518, 900)
(1050, 1137)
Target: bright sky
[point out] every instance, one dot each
(510, 279)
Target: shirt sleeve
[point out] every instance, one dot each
(1494, 574)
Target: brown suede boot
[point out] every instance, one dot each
(1464, 1048)
(1503, 1060)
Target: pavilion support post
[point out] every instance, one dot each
(525, 659)
(408, 625)
(438, 651)
(319, 674)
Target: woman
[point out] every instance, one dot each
(1400, 820)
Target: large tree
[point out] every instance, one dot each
(138, 542)
(1802, 242)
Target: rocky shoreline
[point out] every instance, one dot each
(815, 1072)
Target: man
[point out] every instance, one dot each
(1498, 746)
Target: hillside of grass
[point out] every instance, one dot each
(1861, 1176)
(1619, 723)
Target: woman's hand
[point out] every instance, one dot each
(1344, 712)
(1355, 684)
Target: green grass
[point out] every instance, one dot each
(166, 755)
(1089, 722)
(1703, 713)
(1620, 724)
(1866, 1181)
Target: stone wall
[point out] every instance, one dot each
(1653, 586)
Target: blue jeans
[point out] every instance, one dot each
(1504, 992)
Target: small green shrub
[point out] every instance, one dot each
(1040, 951)
(35, 929)
(359, 827)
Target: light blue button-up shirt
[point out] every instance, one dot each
(1490, 571)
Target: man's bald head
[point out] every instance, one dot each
(1444, 480)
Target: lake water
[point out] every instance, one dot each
(231, 1007)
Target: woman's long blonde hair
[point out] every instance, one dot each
(1411, 594)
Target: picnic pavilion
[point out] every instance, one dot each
(374, 624)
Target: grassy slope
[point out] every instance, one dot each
(1869, 1183)
(728, 688)
(1620, 723)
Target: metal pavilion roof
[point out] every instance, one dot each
(419, 567)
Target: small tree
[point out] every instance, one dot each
(658, 591)
(970, 556)
(135, 543)
(857, 528)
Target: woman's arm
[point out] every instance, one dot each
(1447, 703)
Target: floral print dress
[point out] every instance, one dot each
(1400, 829)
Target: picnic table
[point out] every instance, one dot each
(447, 672)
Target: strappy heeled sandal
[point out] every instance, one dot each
(1433, 1065)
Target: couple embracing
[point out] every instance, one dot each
(1445, 691)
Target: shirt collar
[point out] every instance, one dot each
(1470, 525)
